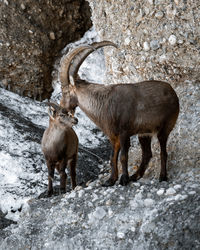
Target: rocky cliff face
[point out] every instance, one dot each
(31, 35)
(157, 39)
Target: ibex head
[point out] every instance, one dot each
(70, 65)
(60, 115)
(69, 100)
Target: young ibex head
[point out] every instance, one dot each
(61, 116)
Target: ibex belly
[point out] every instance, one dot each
(150, 122)
(53, 144)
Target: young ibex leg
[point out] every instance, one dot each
(51, 170)
(73, 171)
(162, 137)
(114, 169)
(145, 142)
(63, 176)
(125, 144)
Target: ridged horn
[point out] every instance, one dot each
(66, 62)
(98, 45)
(78, 60)
(69, 71)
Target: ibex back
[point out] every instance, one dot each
(60, 146)
(122, 110)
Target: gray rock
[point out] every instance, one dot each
(159, 14)
(154, 44)
(172, 40)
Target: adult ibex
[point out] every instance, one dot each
(122, 110)
(60, 146)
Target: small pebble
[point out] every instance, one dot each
(172, 39)
(52, 35)
(159, 15)
(120, 235)
(127, 41)
(170, 191)
(148, 202)
(72, 195)
(99, 213)
(178, 186)
(154, 44)
(146, 46)
(160, 192)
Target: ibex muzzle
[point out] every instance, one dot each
(121, 111)
(60, 146)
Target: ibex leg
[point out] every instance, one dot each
(51, 170)
(114, 169)
(125, 144)
(63, 176)
(145, 142)
(73, 171)
(162, 137)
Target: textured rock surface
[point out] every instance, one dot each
(122, 218)
(31, 35)
(157, 39)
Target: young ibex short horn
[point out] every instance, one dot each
(60, 146)
(122, 110)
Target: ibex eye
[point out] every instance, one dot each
(64, 111)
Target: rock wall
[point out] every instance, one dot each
(32, 33)
(157, 39)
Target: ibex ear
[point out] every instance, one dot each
(53, 105)
(52, 108)
(51, 113)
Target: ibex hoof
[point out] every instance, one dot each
(62, 190)
(108, 183)
(163, 178)
(124, 180)
(134, 177)
(50, 192)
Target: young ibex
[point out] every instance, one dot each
(122, 110)
(60, 146)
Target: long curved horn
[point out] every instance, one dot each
(98, 45)
(66, 62)
(78, 55)
(78, 60)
